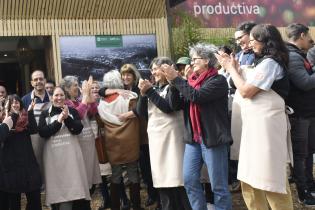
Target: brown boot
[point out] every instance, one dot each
(115, 196)
(135, 196)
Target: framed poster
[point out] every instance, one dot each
(83, 56)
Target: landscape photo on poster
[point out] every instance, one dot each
(229, 13)
(83, 56)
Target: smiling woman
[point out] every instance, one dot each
(65, 181)
(165, 131)
(19, 171)
(265, 89)
(206, 134)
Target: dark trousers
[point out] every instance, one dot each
(174, 198)
(233, 166)
(303, 144)
(105, 192)
(145, 167)
(81, 204)
(12, 201)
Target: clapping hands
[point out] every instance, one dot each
(144, 86)
(228, 62)
(169, 72)
(64, 114)
(87, 96)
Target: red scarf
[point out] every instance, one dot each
(196, 81)
(22, 121)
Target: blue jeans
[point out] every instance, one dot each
(216, 159)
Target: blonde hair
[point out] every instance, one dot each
(132, 69)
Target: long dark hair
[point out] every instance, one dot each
(15, 97)
(22, 119)
(274, 45)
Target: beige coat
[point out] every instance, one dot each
(122, 139)
(264, 148)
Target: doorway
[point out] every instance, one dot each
(16, 66)
(10, 76)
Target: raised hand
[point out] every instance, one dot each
(87, 96)
(65, 111)
(144, 85)
(64, 114)
(228, 62)
(31, 106)
(8, 120)
(7, 108)
(2, 101)
(169, 72)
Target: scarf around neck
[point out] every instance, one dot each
(196, 81)
(22, 121)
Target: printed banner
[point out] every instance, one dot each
(83, 56)
(229, 13)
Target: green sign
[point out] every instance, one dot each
(109, 41)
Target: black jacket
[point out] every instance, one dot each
(212, 98)
(47, 130)
(19, 168)
(167, 105)
(302, 83)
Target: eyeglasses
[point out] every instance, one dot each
(193, 60)
(254, 40)
(239, 41)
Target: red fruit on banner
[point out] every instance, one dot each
(273, 9)
(297, 4)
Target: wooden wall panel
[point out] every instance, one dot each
(82, 9)
(56, 58)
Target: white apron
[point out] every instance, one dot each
(64, 169)
(37, 141)
(264, 149)
(165, 132)
(236, 126)
(87, 144)
(236, 119)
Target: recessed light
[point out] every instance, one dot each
(5, 55)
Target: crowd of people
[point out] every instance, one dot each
(199, 129)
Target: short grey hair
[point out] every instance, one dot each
(66, 83)
(112, 80)
(205, 51)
